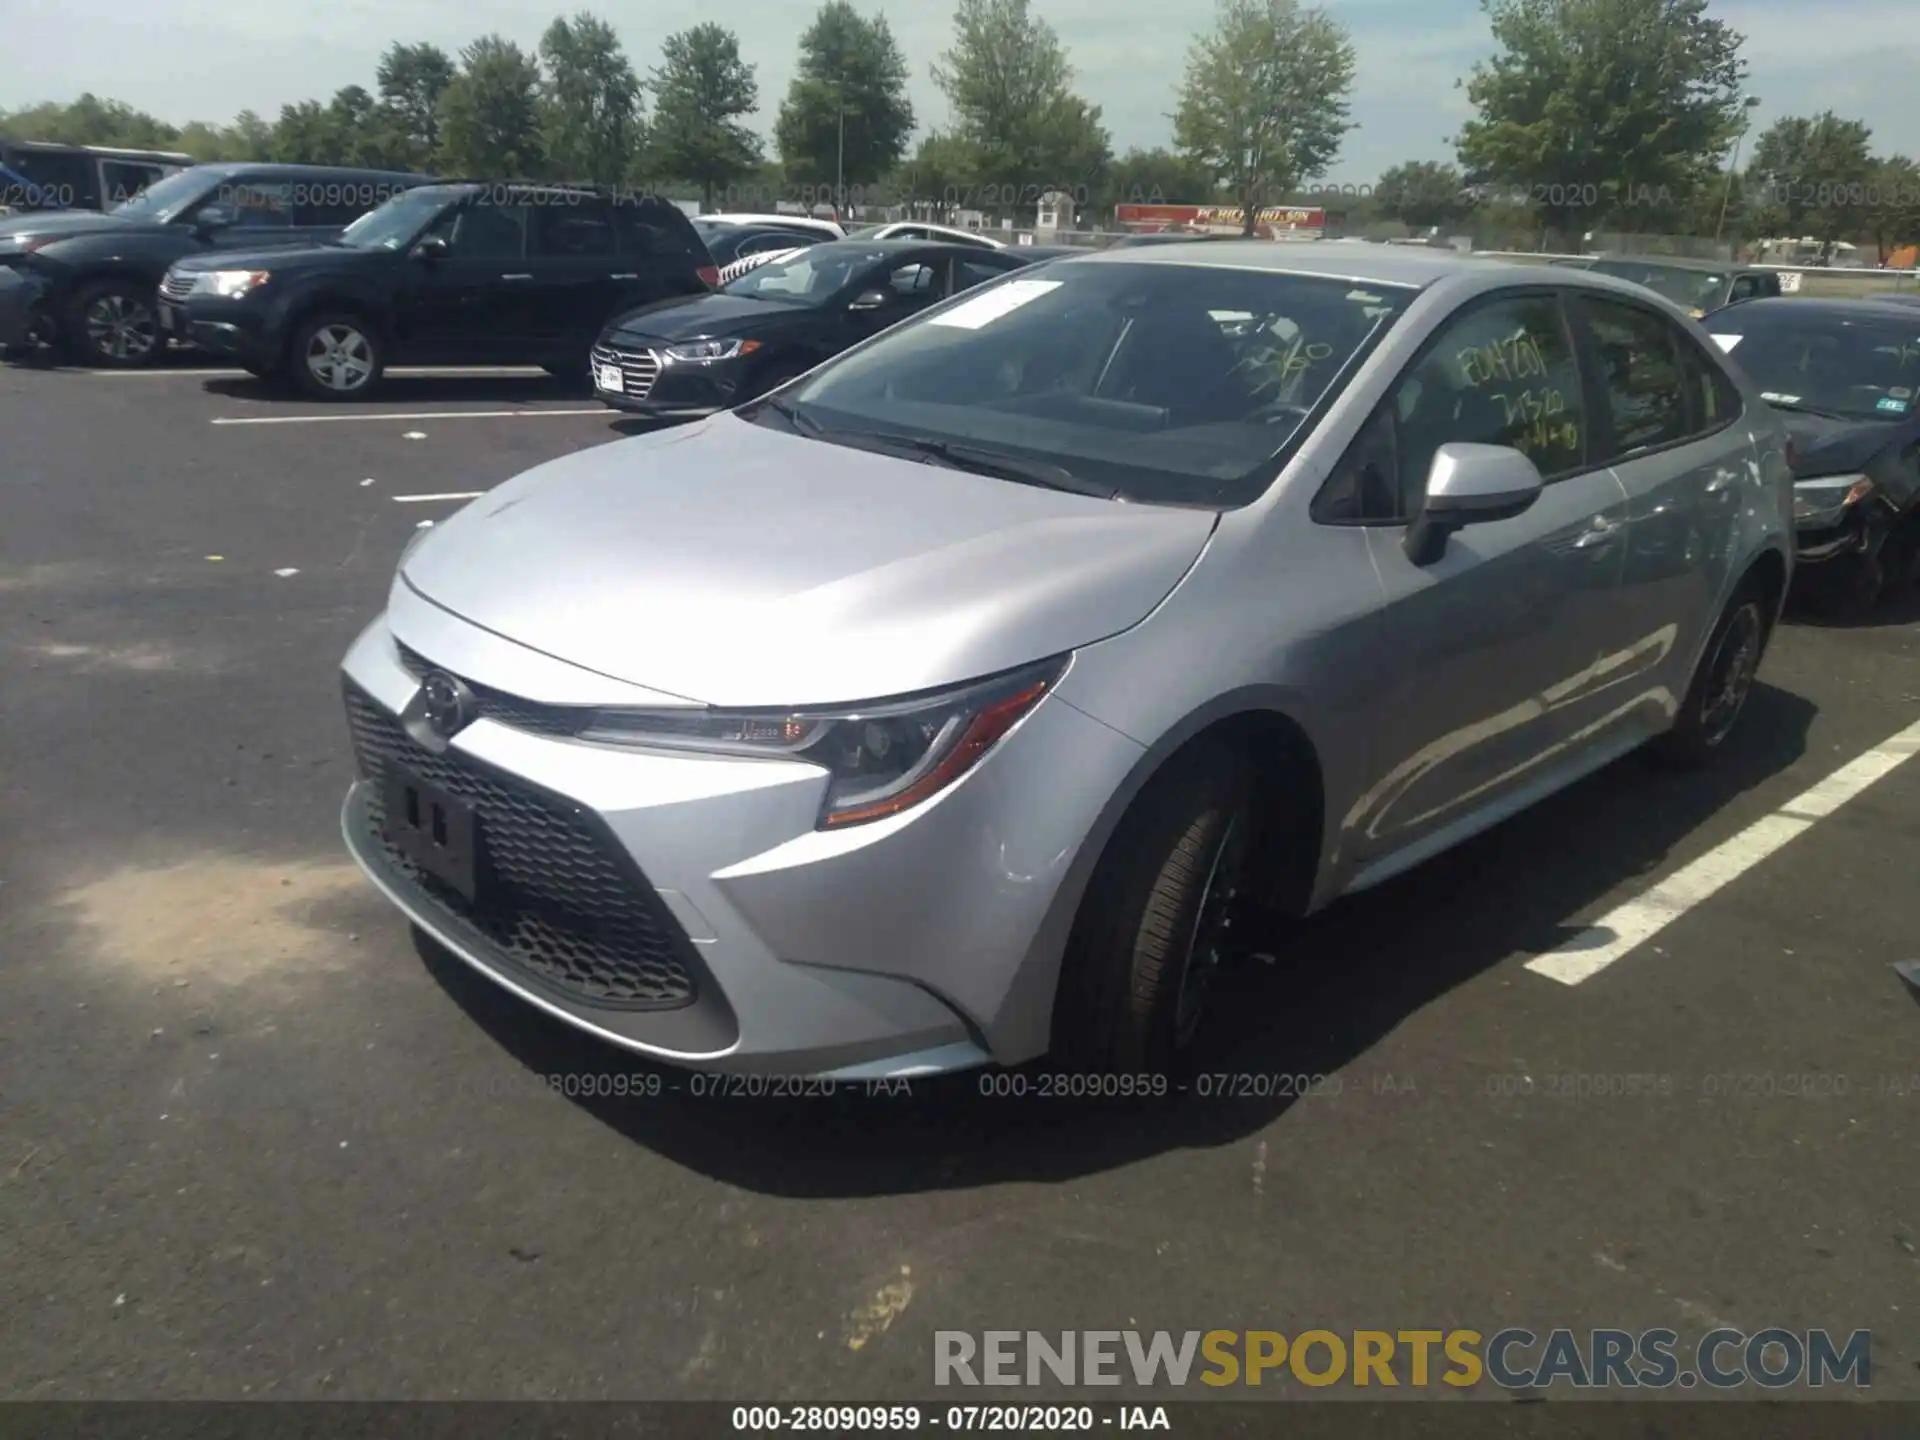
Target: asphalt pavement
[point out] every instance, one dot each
(254, 1144)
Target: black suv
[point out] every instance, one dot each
(465, 272)
(93, 275)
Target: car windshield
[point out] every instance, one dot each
(1866, 369)
(1694, 289)
(161, 201)
(809, 278)
(394, 224)
(1172, 384)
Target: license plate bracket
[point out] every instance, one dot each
(609, 378)
(434, 830)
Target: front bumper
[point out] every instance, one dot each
(1860, 532)
(924, 943)
(218, 327)
(22, 296)
(649, 385)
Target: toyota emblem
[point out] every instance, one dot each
(447, 704)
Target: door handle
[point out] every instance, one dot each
(520, 275)
(630, 275)
(1601, 532)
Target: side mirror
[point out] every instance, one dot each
(1470, 485)
(434, 247)
(213, 218)
(870, 300)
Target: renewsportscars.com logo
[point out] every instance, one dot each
(1513, 1359)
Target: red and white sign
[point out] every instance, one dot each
(1274, 223)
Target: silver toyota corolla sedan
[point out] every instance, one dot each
(946, 706)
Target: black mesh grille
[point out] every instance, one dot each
(553, 898)
(561, 720)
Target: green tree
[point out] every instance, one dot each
(305, 135)
(490, 113)
(1600, 107)
(91, 120)
(1892, 211)
(850, 68)
(938, 175)
(1264, 104)
(412, 79)
(1157, 177)
(1421, 194)
(700, 90)
(591, 101)
(1008, 80)
(1809, 175)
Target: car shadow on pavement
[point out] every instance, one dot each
(1899, 607)
(1342, 981)
(408, 392)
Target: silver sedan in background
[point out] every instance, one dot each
(947, 706)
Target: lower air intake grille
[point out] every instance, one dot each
(555, 898)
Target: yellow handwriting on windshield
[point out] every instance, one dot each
(1305, 359)
(1513, 357)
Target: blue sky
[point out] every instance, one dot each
(208, 59)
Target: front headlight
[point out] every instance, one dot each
(229, 284)
(696, 352)
(1824, 501)
(881, 758)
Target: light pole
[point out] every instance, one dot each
(1746, 119)
(840, 160)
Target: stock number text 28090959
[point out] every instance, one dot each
(1015, 1419)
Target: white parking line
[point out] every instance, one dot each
(399, 372)
(600, 410)
(450, 495)
(1640, 919)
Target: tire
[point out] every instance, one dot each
(570, 372)
(112, 324)
(336, 356)
(1148, 939)
(1721, 685)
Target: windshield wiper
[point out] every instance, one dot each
(1800, 409)
(790, 412)
(981, 461)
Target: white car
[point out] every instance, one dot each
(921, 230)
(831, 229)
(745, 263)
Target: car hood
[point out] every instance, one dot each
(733, 564)
(16, 230)
(1825, 446)
(702, 317)
(286, 257)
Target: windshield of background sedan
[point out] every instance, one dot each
(395, 223)
(1693, 289)
(1862, 369)
(810, 277)
(1171, 384)
(164, 199)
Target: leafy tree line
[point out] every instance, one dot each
(1590, 115)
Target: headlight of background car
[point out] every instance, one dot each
(1824, 501)
(697, 351)
(229, 284)
(881, 758)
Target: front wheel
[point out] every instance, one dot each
(336, 357)
(1721, 685)
(1153, 929)
(112, 324)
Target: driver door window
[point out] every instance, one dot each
(1503, 373)
(257, 205)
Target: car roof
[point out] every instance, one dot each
(1674, 262)
(1376, 264)
(898, 245)
(271, 167)
(1865, 308)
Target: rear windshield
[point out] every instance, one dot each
(1859, 368)
(1177, 384)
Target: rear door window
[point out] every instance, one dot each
(1640, 374)
(573, 231)
(653, 229)
(121, 180)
